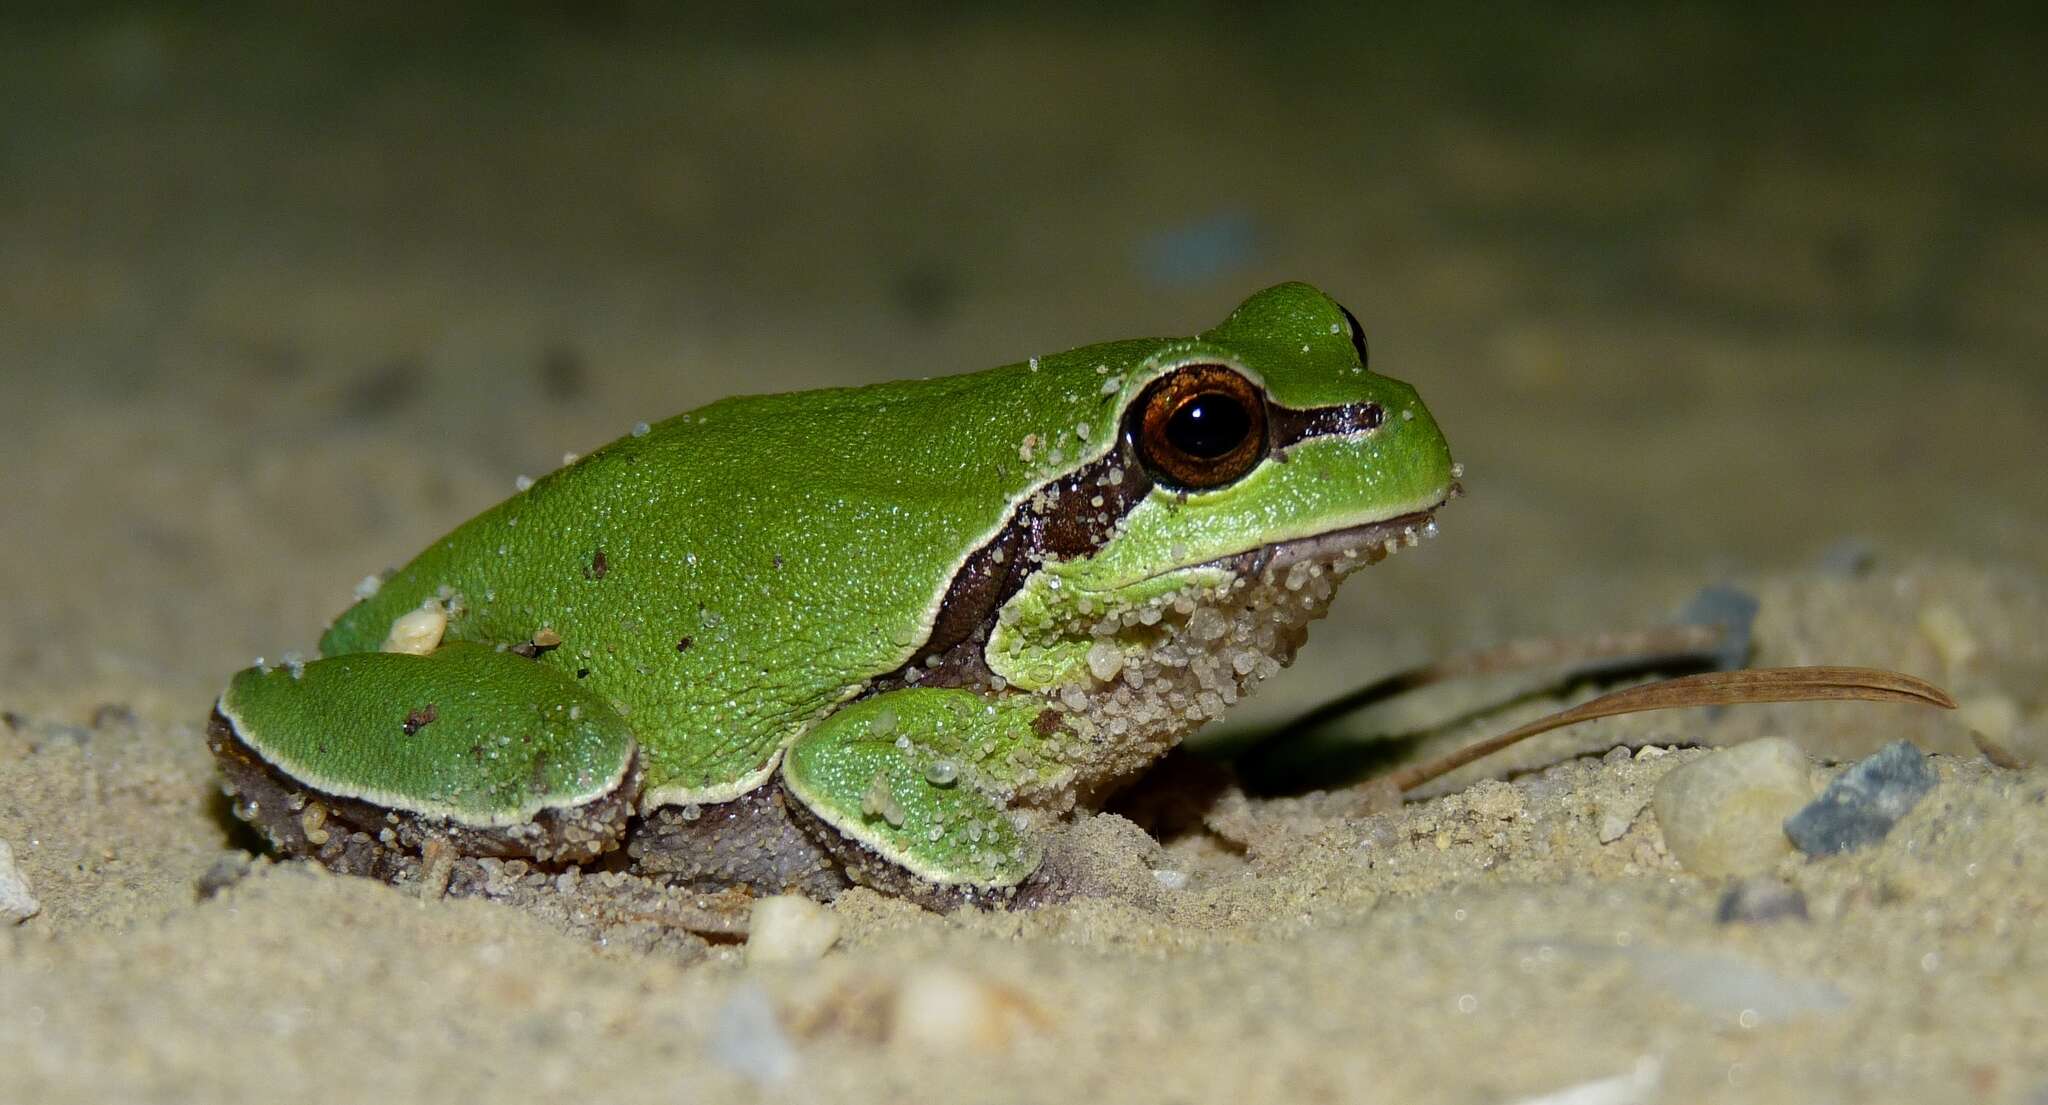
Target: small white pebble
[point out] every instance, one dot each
(1637, 1087)
(1614, 825)
(17, 902)
(944, 1009)
(1171, 880)
(790, 928)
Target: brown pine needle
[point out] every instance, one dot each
(1666, 640)
(1714, 688)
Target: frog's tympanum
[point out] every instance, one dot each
(887, 635)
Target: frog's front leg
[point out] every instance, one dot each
(366, 760)
(914, 788)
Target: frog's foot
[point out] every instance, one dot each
(366, 762)
(909, 791)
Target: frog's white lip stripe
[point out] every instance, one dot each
(1368, 543)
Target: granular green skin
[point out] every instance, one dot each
(479, 734)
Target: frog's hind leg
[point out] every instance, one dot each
(911, 791)
(368, 761)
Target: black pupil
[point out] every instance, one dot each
(1208, 426)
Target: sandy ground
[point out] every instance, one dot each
(1696, 299)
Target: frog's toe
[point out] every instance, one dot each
(362, 761)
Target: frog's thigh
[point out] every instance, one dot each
(500, 754)
(914, 775)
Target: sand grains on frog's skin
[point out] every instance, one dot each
(418, 632)
(1213, 645)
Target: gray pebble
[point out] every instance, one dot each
(1734, 611)
(17, 902)
(1614, 826)
(1849, 558)
(1759, 900)
(1864, 802)
(229, 869)
(747, 1038)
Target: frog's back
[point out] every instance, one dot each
(729, 575)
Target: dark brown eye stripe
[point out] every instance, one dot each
(1292, 427)
(1071, 517)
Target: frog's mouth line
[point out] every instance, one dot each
(1366, 544)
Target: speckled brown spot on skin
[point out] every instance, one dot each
(420, 718)
(544, 639)
(1047, 723)
(599, 565)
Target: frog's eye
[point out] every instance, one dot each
(1198, 427)
(1357, 338)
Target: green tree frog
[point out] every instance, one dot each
(887, 635)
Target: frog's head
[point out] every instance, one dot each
(1255, 465)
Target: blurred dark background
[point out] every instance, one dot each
(1695, 290)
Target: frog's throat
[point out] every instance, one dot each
(1076, 514)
